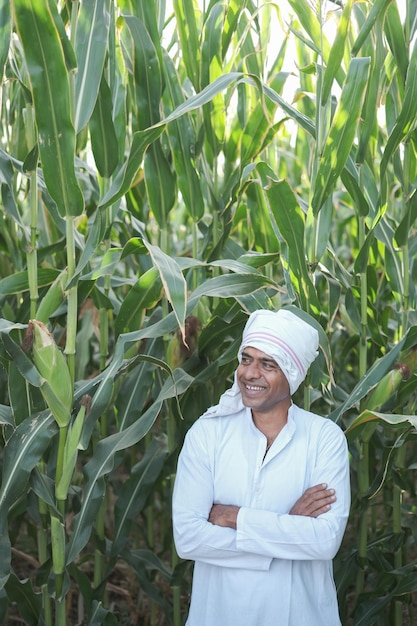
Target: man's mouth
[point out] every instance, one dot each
(253, 387)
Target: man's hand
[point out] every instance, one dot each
(224, 515)
(314, 502)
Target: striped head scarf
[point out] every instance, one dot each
(289, 340)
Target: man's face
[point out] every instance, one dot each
(261, 381)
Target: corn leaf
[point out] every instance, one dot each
(21, 454)
(377, 11)
(376, 77)
(18, 282)
(173, 281)
(342, 132)
(336, 52)
(396, 40)
(144, 294)
(182, 139)
(122, 180)
(374, 374)
(189, 38)
(310, 22)
(100, 464)
(407, 117)
(392, 419)
(5, 32)
(290, 221)
(103, 134)
(135, 491)
(91, 42)
(36, 23)
(23, 595)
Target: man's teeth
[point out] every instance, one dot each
(253, 388)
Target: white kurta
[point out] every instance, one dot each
(276, 568)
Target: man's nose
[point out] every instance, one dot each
(253, 370)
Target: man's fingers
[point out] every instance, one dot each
(314, 501)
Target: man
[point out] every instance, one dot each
(262, 493)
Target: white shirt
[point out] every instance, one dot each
(276, 568)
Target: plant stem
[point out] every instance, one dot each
(363, 482)
(397, 497)
(99, 559)
(32, 247)
(60, 612)
(62, 437)
(43, 553)
(72, 299)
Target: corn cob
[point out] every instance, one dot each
(52, 366)
(53, 298)
(71, 451)
(58, 552)
(386, 388)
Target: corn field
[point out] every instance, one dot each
(165, 169)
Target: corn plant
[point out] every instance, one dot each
(165, 169)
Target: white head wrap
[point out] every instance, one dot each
(289, 340)
(284, 336)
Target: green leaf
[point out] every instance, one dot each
(309, 20)
(144, 294)
(342, 131)
(182, 139)
(305, 122)
(290, 221)
(18, 282)
(374, 374)
(189, 38)
(407, 117)
(147, 73)
(233, 285)
(395, 36)
(378, 9)
(100, 464)
(5, 32)
(173, 282)
(393, 419)
(6, 415)
(103, 134)
(36, 23)
(122, 180)
(403, 230)
(134, 493)
(21, 454)
(336, 52)
(159, 182)
(7, 190)
(91, 41)
(22, 594)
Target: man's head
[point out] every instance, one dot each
(288, 340)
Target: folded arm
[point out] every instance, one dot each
(239, 536)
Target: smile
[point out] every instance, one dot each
(253, 388)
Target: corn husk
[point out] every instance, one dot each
(52, 366)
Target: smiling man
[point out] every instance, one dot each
(262, 492)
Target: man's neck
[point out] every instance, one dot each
(272, 422)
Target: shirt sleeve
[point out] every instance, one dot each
(298, 537)
(195, 537)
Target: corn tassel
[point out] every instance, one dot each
(52, 366)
